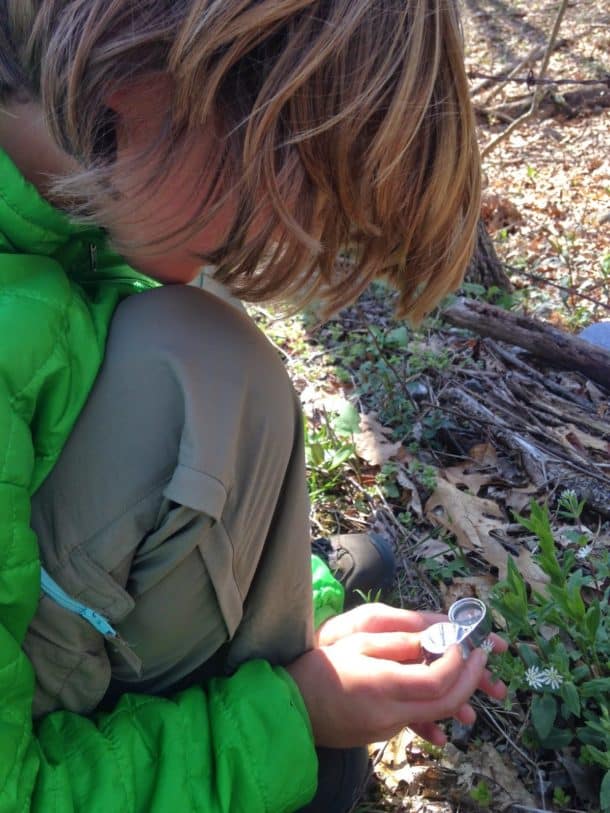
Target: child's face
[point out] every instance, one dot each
(172, 205)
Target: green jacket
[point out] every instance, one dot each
(242, 744)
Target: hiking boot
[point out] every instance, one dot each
(361, 562)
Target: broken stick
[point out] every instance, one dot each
(540, 339)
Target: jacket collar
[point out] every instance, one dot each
(31, 225)
(27, 220)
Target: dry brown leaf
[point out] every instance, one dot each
(464, 476)
(471, 520)
(466, 586)
(371, 442)
(517, 499)
(395, 767)
(484, 454)
(414, 502)
(486, 762)
(313, 398)
(433, 548)
(499, 212)
(573, 437)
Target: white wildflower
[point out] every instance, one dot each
(552, 677)
(567, 495)
(488, 646)
(583, 553)
(535, 677)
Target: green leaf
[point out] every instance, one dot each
(347, 421)
(544, 711)
(316, 454)
(580, 672)
(399, 337)
(597, 687)
(529, 657)
(569, 695)
(539, 523)
(474, 289)
(340, 457)
(604, 794)
(592, 620)
(576, 604)
(558, 738)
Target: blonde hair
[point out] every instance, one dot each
(350, 119)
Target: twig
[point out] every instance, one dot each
(514, 806)
(537, 96)
(399, 379)
(531, 81)
(528, 370)
(534, 55)
(504, 734)
(517, 442)
(570, 291)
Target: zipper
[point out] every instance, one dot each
(92, 617)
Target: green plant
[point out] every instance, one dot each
(508, 300)
(570, 507)
(560, 797)
(441, 568)
(423, 473)
(387, 482)
(560, 667)
(481, 794)
(369, 597)
(445, 570)
(329, 447)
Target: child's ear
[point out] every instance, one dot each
(139, 108)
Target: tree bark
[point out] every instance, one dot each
(485, 267)
(544, 341)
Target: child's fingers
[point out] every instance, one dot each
(401, 647)
(430, 732)
(494, 688)
(450, 683)
(375, 618)
(433, 682)
(466, 714)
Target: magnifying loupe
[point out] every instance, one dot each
(469, 625)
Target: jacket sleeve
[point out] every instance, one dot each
(242, 745)
(328, 593)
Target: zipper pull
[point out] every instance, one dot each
(126, 653)
(95, 619)
(93, 257)
(112, 636)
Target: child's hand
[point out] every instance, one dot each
(374, 618)
(366, 680)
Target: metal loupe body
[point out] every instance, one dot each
(469, 625)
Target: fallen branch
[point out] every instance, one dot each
(511, 70)
(540, 339)
(552, 104)
(537, 95)
(545, 467)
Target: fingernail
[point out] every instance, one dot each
(483, 656)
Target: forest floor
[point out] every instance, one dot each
(386, 452)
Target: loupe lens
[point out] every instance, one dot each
(471, 615)
(467, 611)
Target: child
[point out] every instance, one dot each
(151, 449)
